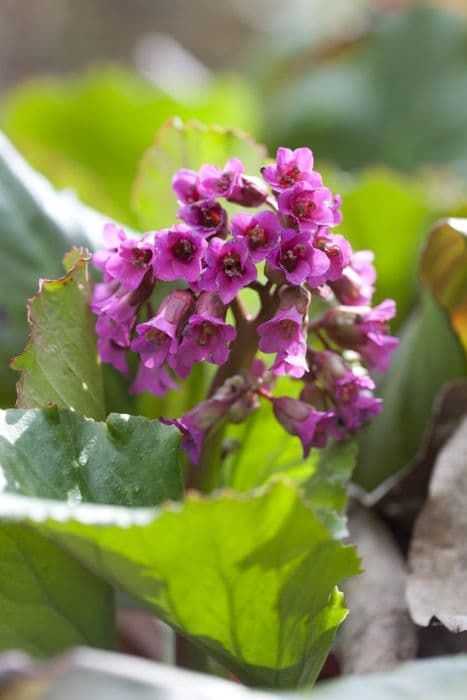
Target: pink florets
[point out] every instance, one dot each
(288, 254)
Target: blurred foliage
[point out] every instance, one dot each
(428, 357)
(89, 132)
(366, 85)
(186, 145)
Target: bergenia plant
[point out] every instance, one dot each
(314, 322)
(255, 317)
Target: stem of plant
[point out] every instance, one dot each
(203, 477)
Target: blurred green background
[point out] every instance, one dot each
(377, 89)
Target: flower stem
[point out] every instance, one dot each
(243, 351)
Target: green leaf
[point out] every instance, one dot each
(227, 571)
(443, 268)
(189, 145)
(55, 453)
(388, 214)
(48, 601)
(60, 364)
(121, 111)
(37, 226)
(352, 99)
(429, 355)
(262, 450)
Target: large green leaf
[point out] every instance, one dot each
(60, 363)
(429, 355)
(189, 145)
(249, 578)
(89, 131)
(37, 226)
(55, 453)
(443, 268)
(48, 601)
(262, 449)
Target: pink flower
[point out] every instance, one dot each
(115, 301)
(300, 419)
(309, 206)
(156, 380)
(336, 209)
(206, 217)
(180, 252)
(249, 192)
(364, 330)
(356, 286)
(260, 232)
(283, 332)
(290, 365)
(114, 354)
(338, 251)
(125, 259)
(158, 337)
(185, 184)
(113, 237)
(214, 182)
(355, 403)
(284, 335)
(229, 268)
(206, 335)
(130, 263)
(297, 258)
(196, 425)
(290, 168)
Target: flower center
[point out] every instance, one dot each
(223, 183)
(155, 337)
(327, 247)
(287, 328)
(205, 332)
(141, 257)
(210, 217)
(232, 265)
(184, 250)
(292, 256)
(192, 194)
(256, 237)
(289, 175)
(303, 206)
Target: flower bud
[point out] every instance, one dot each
(249, 191)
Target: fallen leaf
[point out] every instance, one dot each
(437, 588)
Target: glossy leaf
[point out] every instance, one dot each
(188, 145)
(55, 453)
(429, 355)
(48, 601)
(261, 449)
(443, 268)
(225, 570)
(60, 363)
(37, 226)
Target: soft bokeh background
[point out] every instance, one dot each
(377, 88)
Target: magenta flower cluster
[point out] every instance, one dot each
(282, 247)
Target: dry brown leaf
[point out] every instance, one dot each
(437, 584)
(378, 633)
